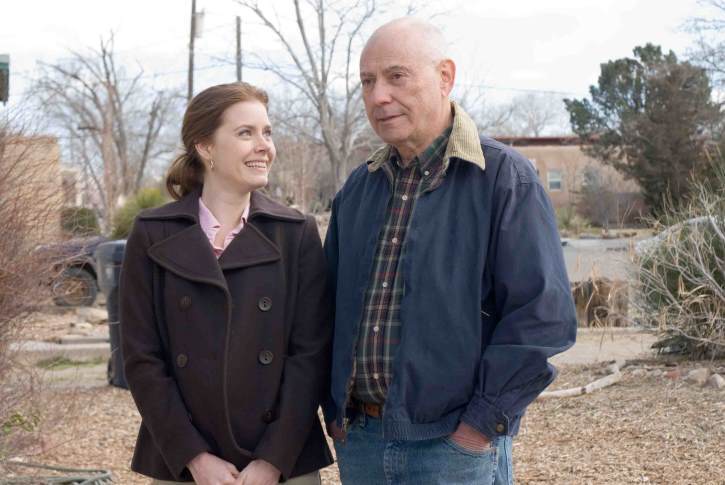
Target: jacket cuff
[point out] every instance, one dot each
(329, 410)
(486, 418)
(273, 449)
(181, 450)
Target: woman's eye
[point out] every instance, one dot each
(244, 133)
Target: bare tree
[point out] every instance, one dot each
(709, 50)
(29, 204)
(322, 47)
(113, 124)
(533, 114)
(492, 119)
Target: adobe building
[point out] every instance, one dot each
(560, 163)
(31, 170)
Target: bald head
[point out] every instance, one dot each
(406, 79)
(423, 40)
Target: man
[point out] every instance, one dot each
(449, 282)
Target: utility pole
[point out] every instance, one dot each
(191, 51)
(239, 48)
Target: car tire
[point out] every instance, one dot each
(74, 287)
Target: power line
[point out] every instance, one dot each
(522, 90)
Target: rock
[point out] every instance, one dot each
(92, 315)
(656, 373)
(673, 375)
(81, 326)
(716, 381)
(639, 373)
(698, 376)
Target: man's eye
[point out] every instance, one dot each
(366, 82)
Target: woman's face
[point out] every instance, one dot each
(242, 148)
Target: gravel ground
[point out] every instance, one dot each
(645, 429)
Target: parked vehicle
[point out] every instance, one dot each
(74, 275)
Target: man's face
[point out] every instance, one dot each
(402, 93)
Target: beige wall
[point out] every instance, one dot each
(31, 167)
(570, 161)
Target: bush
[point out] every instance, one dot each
(570, 223)
(79, 221)
(144, 199)
(681, 274)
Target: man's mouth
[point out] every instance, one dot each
(388, 118)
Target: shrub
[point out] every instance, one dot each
(681, 274)
(570, 222)
(144, 199)
(79, 221)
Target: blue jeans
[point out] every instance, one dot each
(366, 459)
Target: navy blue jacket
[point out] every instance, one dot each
(486, 296)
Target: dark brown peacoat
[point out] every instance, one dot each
(229, 356)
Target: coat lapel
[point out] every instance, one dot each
(248, 248)
(188, 252)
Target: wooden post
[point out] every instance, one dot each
(239, 48)
(190, 94)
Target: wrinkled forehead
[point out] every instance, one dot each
(386, 52)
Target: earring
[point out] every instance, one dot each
(211, 164)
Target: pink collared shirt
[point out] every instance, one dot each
(211, 226)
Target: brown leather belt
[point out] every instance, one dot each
(373, 410)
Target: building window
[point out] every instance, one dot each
(554, 178)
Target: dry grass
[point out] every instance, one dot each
(642, 430)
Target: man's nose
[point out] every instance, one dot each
(380, 93)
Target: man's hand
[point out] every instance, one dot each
(208, 469)
(470, 438)
(258, 472)
(335, 432)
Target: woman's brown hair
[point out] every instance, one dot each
(203, 116)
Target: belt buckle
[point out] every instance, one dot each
(372, 409)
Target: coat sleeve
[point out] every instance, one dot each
(151, 382)
(329, 409)
(307, 365)
(533, 306)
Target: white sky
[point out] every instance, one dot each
(550, 45)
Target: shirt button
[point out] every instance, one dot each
(500, 428)
(426, 173)
(385, 284)
(405, 197)
(181, 360)
(375, 376)
(395, 240)
(376, 329)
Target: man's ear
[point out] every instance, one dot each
(447, 71)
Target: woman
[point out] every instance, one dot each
(225, 319)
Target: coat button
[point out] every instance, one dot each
(266, 357)
(181, 360)
(265, 303)
(267, 417)
(185, 302)
(500, 428)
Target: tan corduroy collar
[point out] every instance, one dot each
(463, 144)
